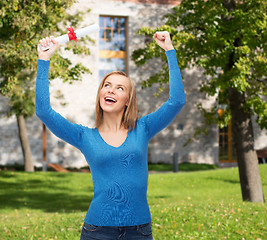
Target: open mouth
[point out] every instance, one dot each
(110, 100)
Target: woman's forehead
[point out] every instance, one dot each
(117, 79)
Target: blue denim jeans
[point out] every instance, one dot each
(139, 232)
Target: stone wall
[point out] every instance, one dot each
(165, 2)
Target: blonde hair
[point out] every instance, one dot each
(130, 114)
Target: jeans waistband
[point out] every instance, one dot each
(123, 227)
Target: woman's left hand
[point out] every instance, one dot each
(163, 39)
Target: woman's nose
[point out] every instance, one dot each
(111, 90)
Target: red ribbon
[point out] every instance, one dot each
(72, 34)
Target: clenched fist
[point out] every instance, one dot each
(163, 39)
(46, 55)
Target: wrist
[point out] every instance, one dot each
(167, 48)
(44, 59)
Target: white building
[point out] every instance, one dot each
(119, 21)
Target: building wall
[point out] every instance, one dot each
(79, 98)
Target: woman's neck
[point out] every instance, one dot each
(111, 123)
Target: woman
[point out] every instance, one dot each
(116, 150)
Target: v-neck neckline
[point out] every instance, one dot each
(99, 135)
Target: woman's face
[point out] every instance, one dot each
(114, 95)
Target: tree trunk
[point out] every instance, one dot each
(246, 155)
(249, 173)
(25, 146)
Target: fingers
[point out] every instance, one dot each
(163, 39)
(45, 42)
(47, 47)
(161, 35)
(158, 36)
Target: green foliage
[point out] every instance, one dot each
(196, 205)
(22, 25)
(229, 45)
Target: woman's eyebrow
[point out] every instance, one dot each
(121, 85)
(118, 85)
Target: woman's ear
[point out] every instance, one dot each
(127, 103)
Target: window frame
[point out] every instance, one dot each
(109, 54)
(231, 157)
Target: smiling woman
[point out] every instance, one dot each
(116, 85)
(116, 149)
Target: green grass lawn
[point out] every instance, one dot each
(183, 167)
(191, 205)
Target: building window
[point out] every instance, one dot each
(112, 45)
(227, 151)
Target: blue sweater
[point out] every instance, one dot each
(120, 174)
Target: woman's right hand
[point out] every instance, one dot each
(46, 55)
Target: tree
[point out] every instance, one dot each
(227, 39)
(22, 25)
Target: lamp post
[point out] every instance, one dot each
(44, 149)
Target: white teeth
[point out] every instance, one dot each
(110, 99)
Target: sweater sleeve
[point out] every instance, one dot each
(161, 118)
(62, 128)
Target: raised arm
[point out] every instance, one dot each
(160, 119)
(69, 132)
